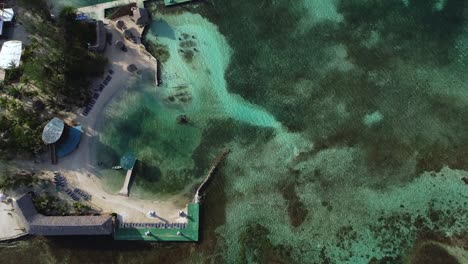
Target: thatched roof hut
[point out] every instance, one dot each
(121, 25)
(132, 68)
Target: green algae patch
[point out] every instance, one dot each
(188, 234)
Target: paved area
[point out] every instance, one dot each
(97, 11)
(11, 225)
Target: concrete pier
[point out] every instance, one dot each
(128, 177)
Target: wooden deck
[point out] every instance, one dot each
(128, 177)
(175, 2)
(188, 234)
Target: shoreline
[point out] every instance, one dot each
(79, 168)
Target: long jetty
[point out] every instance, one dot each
(210, 174)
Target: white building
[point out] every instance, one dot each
(10, 54)
(6, 15)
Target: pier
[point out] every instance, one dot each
(163, 232)
(127, 162)
(210, 174)
(124, 190)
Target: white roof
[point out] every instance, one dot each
(7, 14)
(10, 53)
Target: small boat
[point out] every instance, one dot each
(117, 167)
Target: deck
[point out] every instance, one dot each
(127, 162)
(128, 177)
(175, 2)
(188, 234)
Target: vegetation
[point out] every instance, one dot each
(81, 208)
(13, 180)
(59, 62)
(159, 51)
(53, 75)
(48, 204)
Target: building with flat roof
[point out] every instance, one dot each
(10, 54)
(101, 38)
(38, 224)
(6, 15)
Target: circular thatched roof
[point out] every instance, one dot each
(132, 68)
(53, 131)
(128, 33)
(120, 24)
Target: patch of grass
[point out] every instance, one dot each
(13, 180)
(48, 204)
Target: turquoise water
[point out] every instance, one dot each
(347, 123)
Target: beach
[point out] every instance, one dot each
(80, 167)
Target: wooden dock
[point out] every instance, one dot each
(125, 187)
(175, 2)
(127, 162)
(210, 174)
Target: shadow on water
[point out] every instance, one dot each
(162, 29)
(106, 156)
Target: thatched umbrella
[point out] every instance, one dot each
(121, 25)
(132, 68)
(128, 34)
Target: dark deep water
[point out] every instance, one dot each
(373, 99)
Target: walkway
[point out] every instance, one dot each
(97, 11)
(124, 190)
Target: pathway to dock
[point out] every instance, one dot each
(124, 190)
(97, 11)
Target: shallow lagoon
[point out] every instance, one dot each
(363, 143)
